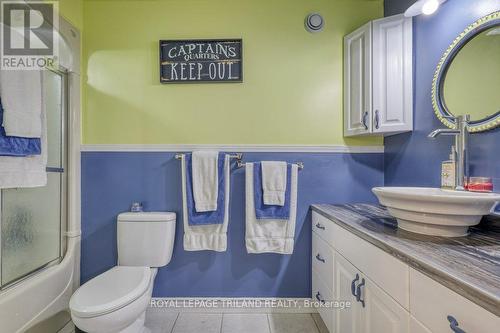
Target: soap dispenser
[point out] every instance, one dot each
(448, 171)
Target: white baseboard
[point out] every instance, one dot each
(232, 305)
(232, 148)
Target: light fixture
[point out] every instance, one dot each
(426, 7)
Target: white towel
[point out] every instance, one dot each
(205, 180)
(29, 171)
(274, 182)
(276, 236)
(21, 93)
(206, 237)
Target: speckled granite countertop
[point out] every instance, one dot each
(469, 265)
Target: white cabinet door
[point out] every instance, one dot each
(392, 75)
(348, 319)
(380, 312)
(417, 327)
(357, 81)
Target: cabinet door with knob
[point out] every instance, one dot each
(440, 309)
(392, 92)
(357, 81)
(372, 310)
(381, 313)
(346, 278)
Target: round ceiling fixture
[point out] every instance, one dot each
(426, 7)
(314, 22)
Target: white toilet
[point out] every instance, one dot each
(116, 300)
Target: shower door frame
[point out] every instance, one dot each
(63, 73)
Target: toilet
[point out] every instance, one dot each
(116, 300)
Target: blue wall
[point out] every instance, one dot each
(412, 158)
(112, 180)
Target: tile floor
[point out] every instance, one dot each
(190, 322)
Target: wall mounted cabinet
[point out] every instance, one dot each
(378, 78)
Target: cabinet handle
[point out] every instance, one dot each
(319, 226)
(363, 119)
(377, 120)
(353, 285)
(319, 258)
(454, 325)
(318, 297)
(358, 293)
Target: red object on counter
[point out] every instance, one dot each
(480, 184)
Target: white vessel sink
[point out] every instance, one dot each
(434, 211)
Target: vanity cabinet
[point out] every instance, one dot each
(386, 294)
(335, 278)
(378, 78)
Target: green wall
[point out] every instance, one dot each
(292, 89)
(72, 10)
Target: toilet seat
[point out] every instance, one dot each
(110, 291)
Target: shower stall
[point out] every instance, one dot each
(40, 227)
(33, 220)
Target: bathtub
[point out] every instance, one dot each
(42, 300)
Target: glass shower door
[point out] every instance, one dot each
(32, 219)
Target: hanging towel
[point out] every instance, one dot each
(205, 180)
(205, 236)
(270, 235)
(265, 211)
(29, 171)
(274, 182)
(21, 92)
(15, 146)
(201, 218)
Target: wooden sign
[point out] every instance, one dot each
(201, 61)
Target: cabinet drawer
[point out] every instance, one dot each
(322, 260)
(431, 303)
(387, 272)
(323, 227)
(320, 292)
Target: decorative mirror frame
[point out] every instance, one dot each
(438, 102)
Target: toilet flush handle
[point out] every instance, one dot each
(136, 207)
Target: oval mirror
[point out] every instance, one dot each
(467, 78)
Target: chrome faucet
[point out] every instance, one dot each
(461, 133)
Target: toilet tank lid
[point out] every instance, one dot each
(146, 217)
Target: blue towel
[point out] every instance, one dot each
(204, 218)
(266, 212)
(16, 146)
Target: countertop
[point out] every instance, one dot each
(469, 265)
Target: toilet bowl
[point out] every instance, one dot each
(116, 300)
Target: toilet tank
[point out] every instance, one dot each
(145, 238)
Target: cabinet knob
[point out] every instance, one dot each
(353, 285)
(318, 257)
(363, 119)
(318, 297)
(454, 325)
(377, 119)
(319, 226)
(358, 293)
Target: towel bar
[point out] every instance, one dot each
(237, 156)
(299, 164)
